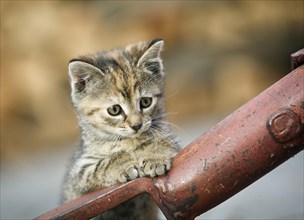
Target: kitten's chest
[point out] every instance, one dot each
(125, 145)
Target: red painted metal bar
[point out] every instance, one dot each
(243, 147)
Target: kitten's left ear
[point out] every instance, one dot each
(81, 73)
(151, 57)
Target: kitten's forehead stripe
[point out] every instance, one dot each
(124, 78)
(136, 86)
(126, 95)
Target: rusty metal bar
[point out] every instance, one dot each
(243, 147)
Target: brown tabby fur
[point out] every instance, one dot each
(134, 143)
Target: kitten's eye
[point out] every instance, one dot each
(115, 110)
(145, 102)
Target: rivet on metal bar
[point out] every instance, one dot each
(284, 125)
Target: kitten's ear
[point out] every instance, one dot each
(151, 57)
(81, 73)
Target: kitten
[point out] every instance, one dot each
(118, 96)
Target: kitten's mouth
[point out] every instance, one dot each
(131, 134)
(139, 132)
(136, 134)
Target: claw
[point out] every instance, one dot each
(154, 166)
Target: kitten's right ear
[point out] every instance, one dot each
(81, 73)
(153, 51)
(150, 59)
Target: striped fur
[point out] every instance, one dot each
(118, 98)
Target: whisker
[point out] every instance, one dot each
(164, 115)
(162, 134)
(179, 129)
(172, 95)
(171, 140)
(76, 127)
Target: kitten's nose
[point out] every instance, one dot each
(136, 127)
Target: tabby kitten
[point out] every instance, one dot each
(118, 96)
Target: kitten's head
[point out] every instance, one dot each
(119, 92)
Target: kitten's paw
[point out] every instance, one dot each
(128, 174)
(154, 166)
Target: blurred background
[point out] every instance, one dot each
(218, 55)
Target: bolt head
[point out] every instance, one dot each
(284, 125)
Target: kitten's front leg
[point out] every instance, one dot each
(126, 171)
(121, 169)
(156, 160)
(155, 165)
(91, 172)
